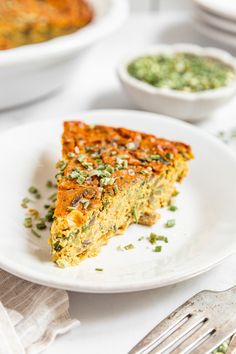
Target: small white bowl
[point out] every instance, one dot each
(33, 71)
(190, 106)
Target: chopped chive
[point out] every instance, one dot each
(70, 154)
(80, 179)
(169, 155)
(70, 208)
(152, 238)
(162, 238)
(50, 214)
(57, 247)
(107, 181)
(155, 157)
(128, 247)
(143, 172)
(32, 190)
(46, 206)
(119, 248)
(61, 165)
(24, 202)
(85, 228)
(35, 233)
(74, 174)
(99, 269)
(173, 208)
(41, 225)
(157, 249)
(175, 193)
(170, 223)
(28, 222)
(49, 184)
(115, 188)
(80, 158)
(34, 213)
(38, 196)
(53, 197)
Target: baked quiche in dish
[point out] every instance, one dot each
(109, 178)
(32, 21)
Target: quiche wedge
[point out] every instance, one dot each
(109, 178)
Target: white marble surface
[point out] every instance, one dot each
(114, 323)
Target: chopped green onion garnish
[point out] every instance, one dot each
(49, 184)
(115, 189)
(70, 154)
(53, 197)
(41, 225)
(157, 249)
(170, 223)
(70, 208)
(25, 202)
(169, 155)
(28, 222)
(35, 233)
(173, 207)
(130, 246)
(175, 193)
(32, 190)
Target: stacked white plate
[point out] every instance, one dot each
(217, 20)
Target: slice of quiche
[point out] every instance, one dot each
(108, 179)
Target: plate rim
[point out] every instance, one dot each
(220, 23)
(111, 287)
(218, 10)
(214, 33)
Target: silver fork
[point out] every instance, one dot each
(199, 326)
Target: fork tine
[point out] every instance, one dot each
(216, 340)
(159, 333)
(191, 326)
(192, 343)
(166, 327)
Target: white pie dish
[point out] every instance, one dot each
(33, 71)
(204, 234)
(190, 106)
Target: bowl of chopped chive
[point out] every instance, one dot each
(186, 81)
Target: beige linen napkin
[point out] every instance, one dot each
(31, 315)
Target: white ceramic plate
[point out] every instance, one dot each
(218, 35)
(226, 8)
(214, 20)
(205, 221)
